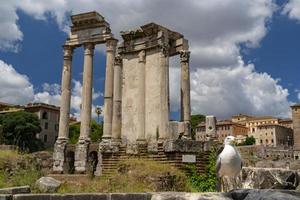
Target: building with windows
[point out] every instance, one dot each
(49, 120)
(273, 135)
(224, 129)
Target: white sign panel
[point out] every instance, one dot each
(189, 158)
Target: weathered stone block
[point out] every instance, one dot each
(48, 184)
(32, 197)
(129, 196)
(186, 146)
(15, 190)
(263, 178)
(5, 197)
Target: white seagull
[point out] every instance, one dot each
(229, 162)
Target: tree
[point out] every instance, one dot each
(249, 141)
(20, 129)
(96, 132)
(195, 120)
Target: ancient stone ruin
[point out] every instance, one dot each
(136, 96)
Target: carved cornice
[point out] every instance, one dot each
(184, 56)
(118, 60)
(89, 48)
(68, 51)
(142, 56)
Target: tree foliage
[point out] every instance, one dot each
(20, 129)
(195, 120)
(249, 141)
(95, 135)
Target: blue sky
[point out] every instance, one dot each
(244, 54)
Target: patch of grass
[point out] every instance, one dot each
(17, 169)
(134, 175)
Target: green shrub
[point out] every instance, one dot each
(204, 182)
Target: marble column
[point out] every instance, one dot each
(164, 120)
(87, 87)
(108, 91)
(63, 133)
(141, 98)
(86, 106)
(117, 100)
(185, 91)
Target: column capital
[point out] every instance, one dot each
(164, 49)
(118, 60)
(68, 51)
(89, 48)
(111, 44)
(142, 56)
(184, 56)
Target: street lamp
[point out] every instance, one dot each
(98, 111)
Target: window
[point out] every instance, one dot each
(46, 125)
(267, 141)
(45, 138)
(45, 115)
(261, 141)
(253, 130)
(272, 141)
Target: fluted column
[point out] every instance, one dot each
(141, 96)
(108, 93)
(117, 100)
(164, 120)
(87, 85)
(185, 90)
(63, 133)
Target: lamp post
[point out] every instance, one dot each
(98, 111)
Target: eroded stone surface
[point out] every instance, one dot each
(48, 184)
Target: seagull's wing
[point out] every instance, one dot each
(219, 150)
(218, 165)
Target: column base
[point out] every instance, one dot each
(59, 155)
(81, 156)
(109, 146)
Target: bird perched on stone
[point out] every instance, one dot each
(229, 162)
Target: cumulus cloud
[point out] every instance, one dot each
(51, 95)
(292, 9)
(15, 88)
(215, 29)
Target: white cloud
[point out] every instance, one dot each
(15, 88)
(216, 29)
(292, 9)
(51, 95)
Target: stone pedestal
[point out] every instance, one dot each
(59, 156)
(81, 156)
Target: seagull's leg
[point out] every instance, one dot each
(222, 184)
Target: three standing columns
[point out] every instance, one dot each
(185, 91)
(108, 93)
(117, 100)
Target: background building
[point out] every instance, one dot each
(273, 135)
(49, 118)
(224, 129)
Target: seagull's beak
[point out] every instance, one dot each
(233, 142)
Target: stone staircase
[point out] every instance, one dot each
(110, 161)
